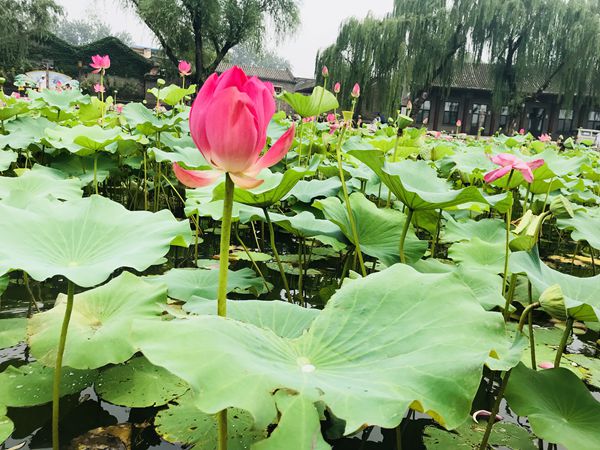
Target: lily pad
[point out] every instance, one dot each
(172, 94)
(378, 230)
(318, 102)
(85, 240)
(6, 425)
(139, 384)
(81, 139)
(479, 254)
(190, 156)
(559, 407)
(306, 191)
(489, 230)
(383, 343)
(468, 437)
(100, 323)
(12, 331)
(31, 384)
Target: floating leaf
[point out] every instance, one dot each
(307, 190)
(12, 331)
(468, 437)
(489, 230)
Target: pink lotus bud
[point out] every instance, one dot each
(522, 131)
(100, 63)
(545, 138)
(458, 123)
(337, 87)
(15, 95)
(355, 91)
(184, 67)
(331, 117)
(438, 134)
(325, 72)
(98, 88)
(119, 108)
(228, 123)
(546, 365)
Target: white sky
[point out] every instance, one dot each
(320, 22)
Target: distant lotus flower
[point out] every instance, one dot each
(185, 68)
(546, 365)
(325, 72)
(308, 119)
(356, 91)
(15, 95)
(511, 162)
(99, 88)
(459, 123)
(100, 63)
(119, 108)
(228, 123)
(438, 134)
(522, 131)
(331, 117)
(545, 138)
(337, 87)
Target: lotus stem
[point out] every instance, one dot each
(312, 137)
(547, 195)
(239, 239)
(526, 197)
(530, 324)
(58, 366)
(276, 255)
(409, 215)
(494, 412)
(96, 173)
(399, 437)
(222, 290)
(301, 126)
(300, 269)
(509, 296)
(196, 238)
(436, 236)
(389, 199)
(145, 182)
(563, 341)
(593, 260)
(525, 314)
(32, 299)
(506, 253)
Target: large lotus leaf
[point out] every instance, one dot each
(82, 167)
(471, 162)
(284, 319)
(276, 185)
(138, 384)
(183, 284)
(378, 229)
(468, 437)
(305, 191)
(585, 226)
(299, 426)
(214, 210)
(18, 107)
(184, 423)
(85, 240)
(580, 294)
(306, 225)
(476, 253)
(145, 121)
(99, 331)
(559, 407)
(172, 94)
(190, 156)
(557, 165)
(34, 185)
(416, 184)
(31, 384)
(82, 139)
(385, 342)
(6, 425)
(490, 230)
(61, 100)
(7, 157)
(318, 102)
(24, 131)
(12, 331)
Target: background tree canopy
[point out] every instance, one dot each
(80, 32)
(206, 30)
(530, 43)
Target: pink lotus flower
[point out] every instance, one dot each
(511, 162)
(331, 118)
(356, 91)
(438, 134)
(308, 119)
(99, 88)
(100, 63)
(459, 123)
(545, 138)
(184, 67)
(228, 123)
(325, 72)
(522, 131)
(119, 108)
(337, 87)
(15, 95)
(546, 365)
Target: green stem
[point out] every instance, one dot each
(593, 260)
(399, 437)
(530, 323)
(276, 255)
(196, 239)
(58, 366)
(526, 197)
(563, 341)
(409, 215)
(509, 296)
(301, 126)
(222, 290)
(239, 239)
(436, 236)
(494, 412)
(547, 195)
(525, 314)
(300, 268)
(145, 182)
(506, 252)
(96, 173)
(389, 199)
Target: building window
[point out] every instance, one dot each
(565, 120)
(503, 123)
(278, 89)
(450, 113)
(535, 120)
(424, 112)
(478, 116)
(594, 120)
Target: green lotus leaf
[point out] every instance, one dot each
(184, 423)
(85, 240)
(60, 100)
(100, 323)
(24, 131)
(33, 185)
(276, 185)
(138, 384)
(557, 404)
(557, 165)
(299, 425)
(479, 254)
(307, 225)
(172, 94)
(584, 226)
(490, 230)
(416, 184)
(378, 230)
(12, 331)
(6, 425)
(254, 256)
(145, 121)
(318, 102)
(306, 191)
(7, 157)
(31, 384)
(83, 140)
(183, 284)
(284, 319)
(588, 367)
(190, 156)
(580, 294)
(12, 110)
(385, 342)
(82, 167)
(468, 437)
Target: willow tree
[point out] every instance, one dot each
(206, 30)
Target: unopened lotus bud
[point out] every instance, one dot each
(552, 301)
(325, 72)
(337, 88)
(356, 91)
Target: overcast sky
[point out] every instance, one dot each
(320, 22)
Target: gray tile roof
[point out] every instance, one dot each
(264, 73)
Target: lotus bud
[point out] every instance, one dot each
(160, 82)
(356, 91)
(337, 88)
(552, 301)
(458, 123)
(546, 365)
(325, 72)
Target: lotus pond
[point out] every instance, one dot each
(384, 290)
